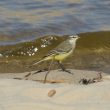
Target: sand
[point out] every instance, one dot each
(69, 95)
(57, 76)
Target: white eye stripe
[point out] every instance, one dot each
(71, 36)
(74, 36)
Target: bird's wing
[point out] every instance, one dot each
(56, 52)
(52, 53)
(63, 48)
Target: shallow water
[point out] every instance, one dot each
(94, 55)
(23, 20)
(29, 29)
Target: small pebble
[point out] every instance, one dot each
(51, 93)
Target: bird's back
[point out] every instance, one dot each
(65, 46)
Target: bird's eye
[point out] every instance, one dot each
(75, 36)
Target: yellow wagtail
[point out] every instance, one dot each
(60, 53)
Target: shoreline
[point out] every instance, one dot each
(55, 76)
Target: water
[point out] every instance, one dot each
(92, 52)
(24, 20)
(24, 23)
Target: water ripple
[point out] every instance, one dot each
(53, 17)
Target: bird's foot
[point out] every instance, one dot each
(43, 70)
(68, 71)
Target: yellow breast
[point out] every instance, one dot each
(63, 56)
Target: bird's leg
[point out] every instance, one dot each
(43, 70)
(30, 74)
(63, 68)
(51, 63)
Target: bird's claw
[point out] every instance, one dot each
(68, 71)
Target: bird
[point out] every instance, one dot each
(60, 53)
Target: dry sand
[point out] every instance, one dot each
(70, 95)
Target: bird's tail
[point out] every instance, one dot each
(35, 63)
(39, 61)
(43, 59)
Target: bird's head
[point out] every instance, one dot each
(74, 36)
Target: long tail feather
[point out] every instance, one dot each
(38, 62)
(43, 59)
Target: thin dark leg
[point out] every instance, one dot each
(29, 74)
(63, 68)
(48, 71)
(43, 70)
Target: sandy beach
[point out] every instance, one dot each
(65, 94)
